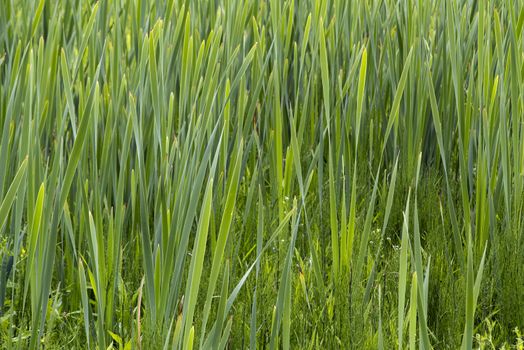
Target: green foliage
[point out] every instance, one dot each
(261, 173)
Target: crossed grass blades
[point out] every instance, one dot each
(272, 174)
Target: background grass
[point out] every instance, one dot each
(272, 174)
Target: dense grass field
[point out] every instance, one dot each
(280, 174)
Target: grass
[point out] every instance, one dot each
(272, 174)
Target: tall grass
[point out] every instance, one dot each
(272, 174)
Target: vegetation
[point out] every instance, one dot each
(273, 174)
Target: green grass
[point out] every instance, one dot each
(261, 174)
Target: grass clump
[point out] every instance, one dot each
(261, 173)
